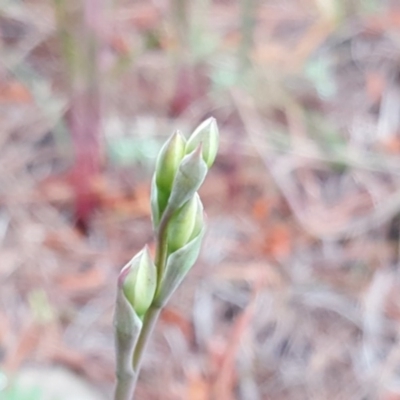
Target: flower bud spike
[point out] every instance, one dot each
(206, 133)
(138, 280)
(144, 286)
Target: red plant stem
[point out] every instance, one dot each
(83, 120)
(84, 115)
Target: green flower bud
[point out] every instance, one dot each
(162, 200)
(189, 177)
(168, 162)
(182, 223)
(138, 280)
(206, 133)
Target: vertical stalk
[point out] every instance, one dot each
(128, 364)
(248, 13)
(125, 386)
(161, 248)
(149, 323)
(180, 10)
(153, 313)
(129, 360)
(80, 24)
(127, 327)
(135, 318)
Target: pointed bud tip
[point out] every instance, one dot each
(198, 151)
(206, 133)
(177, 136)
(146, 250)
(194, 157)
(212, 121)
(208, 121)
(122, 275)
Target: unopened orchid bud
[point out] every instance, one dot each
(138, 280)
(182, 224)
(168, 162)
(206, 133)
(178, 221)
(189, 177)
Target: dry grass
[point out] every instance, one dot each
(296, 295)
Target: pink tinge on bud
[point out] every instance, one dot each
(197, 153)
(122, 275)
(199, 149)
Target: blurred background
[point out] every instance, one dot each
(297, 292)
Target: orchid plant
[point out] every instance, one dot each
(144, 285)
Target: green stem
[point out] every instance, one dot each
(162, 247)
(149, 323)
(153, 313)
(127, 328)
(125, 386)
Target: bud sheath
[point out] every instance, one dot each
(182, 224)
(168, 162)
(138, 280)
(208, 135)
